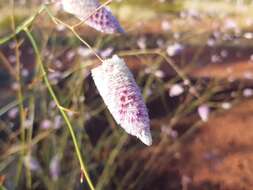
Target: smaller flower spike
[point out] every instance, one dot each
(102, 20)
(123, 98)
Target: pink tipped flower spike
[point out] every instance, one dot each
(123, 98)
(102, 20)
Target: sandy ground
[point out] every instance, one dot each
(220, 156)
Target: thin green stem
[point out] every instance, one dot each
(19, 96)
(108, 170)
(180, 73)
(72, 29)
(20, 28)
(63, 113)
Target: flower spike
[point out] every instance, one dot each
(102, 20)
(123, 98)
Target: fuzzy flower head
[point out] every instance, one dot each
(204, 112)
(102, 20)
(123, 98)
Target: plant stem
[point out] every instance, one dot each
(20, 28)
(19, 95)
(64, 115)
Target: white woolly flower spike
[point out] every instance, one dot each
(123, 98)
(102, 20)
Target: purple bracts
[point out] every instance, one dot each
(123, 98)
(102, 20)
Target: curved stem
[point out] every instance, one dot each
(72, 29)
(180, 73)
(21, 27)
(63, 113)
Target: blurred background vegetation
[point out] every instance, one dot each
(193, 60)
